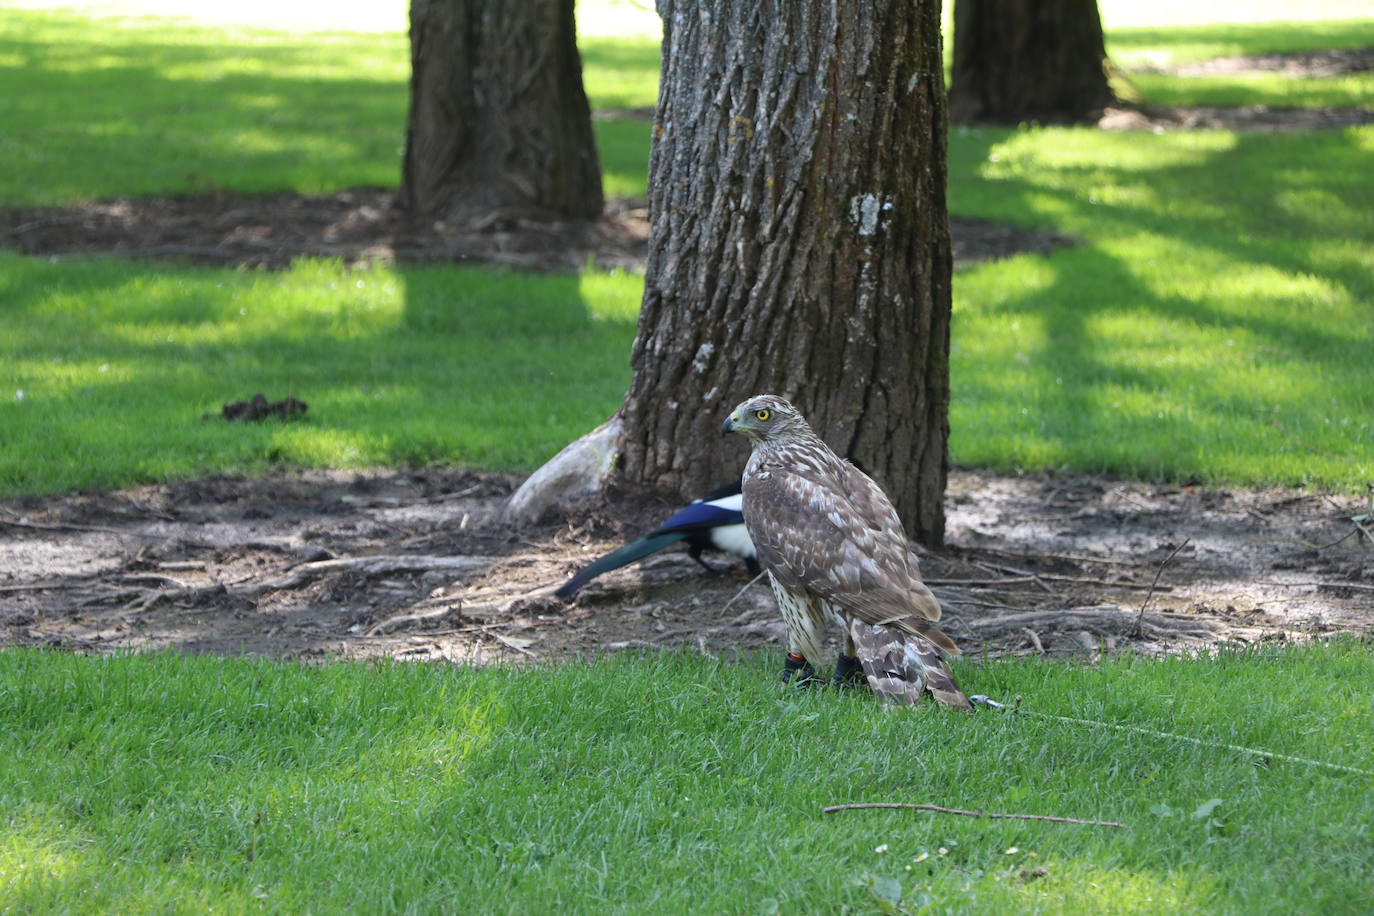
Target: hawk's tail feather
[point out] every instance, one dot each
(939, 680)
(927, 630)
(901, 666)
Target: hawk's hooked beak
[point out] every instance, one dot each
(728, 426)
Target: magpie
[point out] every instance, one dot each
(713, 522)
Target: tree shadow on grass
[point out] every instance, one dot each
(412, 365)
(1234, 352)
(145, 114)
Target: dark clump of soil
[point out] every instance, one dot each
(259, 408)
(424, 564)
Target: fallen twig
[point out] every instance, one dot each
(1070, 557)
(974, 583)
(512, 644)
(1151, 593)
(571, 618)
(742, 591)
(43, 586)
(461, 494)
(942, 810)
(98, 529)
(1035, 639)
(974, 602)
(1035, 577)
(1352, 585)
(1084, 580)
(154, 577)
(400, 621)
(1016, 580)
(1302, 543)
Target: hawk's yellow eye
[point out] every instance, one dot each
(763, 414)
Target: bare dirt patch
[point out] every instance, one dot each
(363, 226)
(1297, 64)
(1259, 118)
(421, 564)
(1254, 118)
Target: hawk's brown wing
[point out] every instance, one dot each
(833, 532)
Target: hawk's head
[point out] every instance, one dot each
(764, 417)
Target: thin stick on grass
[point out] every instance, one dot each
(942, 810)
(1259, 752)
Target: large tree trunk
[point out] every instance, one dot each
(1028, 60)
(499, 125)
(800, 242)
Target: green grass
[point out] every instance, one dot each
(107, 367)
(1161, 46)
(1214, 324)
(1175, 44)
(150, 107)
(670, 783)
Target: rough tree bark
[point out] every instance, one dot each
(499, 126)
(799, 242)
(1028, 60)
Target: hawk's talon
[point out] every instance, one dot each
(797, 672)
(849, 672)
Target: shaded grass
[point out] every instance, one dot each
(165, 108)
(107, 367)
(670, 783)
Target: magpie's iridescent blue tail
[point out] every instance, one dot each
(635, 550)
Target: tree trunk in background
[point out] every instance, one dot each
(1024, 60)
(499, 126)
(799, 242)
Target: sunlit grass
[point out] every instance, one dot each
(674, 783)
(1166, 42)
(1194, 334)
(1267, 89)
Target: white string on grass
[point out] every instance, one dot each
(1170, 736)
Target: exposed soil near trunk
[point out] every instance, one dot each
(1297, 64)
(420, 564)
(362, 226)
(1256, 118)
(1307, 64)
